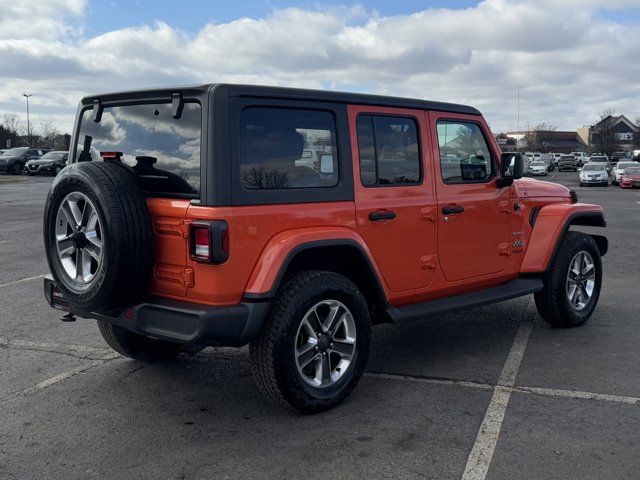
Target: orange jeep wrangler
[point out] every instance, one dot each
(292, 220)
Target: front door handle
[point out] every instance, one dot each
(452, 209)
(382, 215)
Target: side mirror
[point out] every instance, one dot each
(511, 166)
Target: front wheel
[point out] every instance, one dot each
(572, 282)
(314, 345)
(17, 169)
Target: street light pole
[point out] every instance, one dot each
(28, 124)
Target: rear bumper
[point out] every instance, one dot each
(178, 321)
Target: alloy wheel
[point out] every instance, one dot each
(325, 343)
(581, 280)
(79, 239)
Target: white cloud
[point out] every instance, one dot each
(570, 62)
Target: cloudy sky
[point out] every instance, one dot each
(571, 58)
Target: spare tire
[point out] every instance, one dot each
(98, 236)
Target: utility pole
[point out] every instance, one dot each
(28, 124)
(518, 119)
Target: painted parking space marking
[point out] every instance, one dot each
(55, 379)
(22, 280)
(482, 452)
(578, 395)
(82, 351)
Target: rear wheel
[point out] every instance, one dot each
(313, 348)
(137, 346)
(572, 283)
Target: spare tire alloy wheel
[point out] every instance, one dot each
(79, 239)
(325, 343)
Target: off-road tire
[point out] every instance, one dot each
(272, 352)
(123, 275)
(136, 346)
(552, 302)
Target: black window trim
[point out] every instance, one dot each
(153, 99)
(493, 159)
(419, 141)
(341, 191)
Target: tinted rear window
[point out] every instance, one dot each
(162, 150)
(282, 148)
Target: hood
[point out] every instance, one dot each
(531, 188)
(39, 161)
(3, 158)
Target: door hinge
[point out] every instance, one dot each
(428, 214)
(173, 227)
(504, 249)
(175, 274)
(428, 262)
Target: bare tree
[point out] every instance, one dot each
(48, 132)
(12, 122)
(604, 136)
(538, 137)
(12, 130)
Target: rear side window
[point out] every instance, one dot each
(389, 153)
(464, 154)
(283, 148)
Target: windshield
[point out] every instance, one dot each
(593, 168)
(632, 171)
(162, 150)
(14, 152)
(53, 156)
(623, 165)
(538, 164)
(567, 158)
(598, 159)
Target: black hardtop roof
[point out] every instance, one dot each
(238, 90)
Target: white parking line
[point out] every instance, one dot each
(487, 439)
(83, 350)
(431, 381)
(576, 394)
(53, 380)
(22, 280)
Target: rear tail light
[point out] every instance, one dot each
(209, 241)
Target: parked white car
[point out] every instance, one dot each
(538, 167)
(618, 170)
(594, 174)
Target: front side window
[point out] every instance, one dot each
(464, 154)
(388, 148)
(283, 148)
(163, 151)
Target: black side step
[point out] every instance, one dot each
(515, 288)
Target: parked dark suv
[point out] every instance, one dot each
(50, 162)
(14, 160)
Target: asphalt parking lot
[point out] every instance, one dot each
(489, 393)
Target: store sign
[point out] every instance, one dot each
(625, 137)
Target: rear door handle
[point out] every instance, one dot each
(382, 215)
(452, 209)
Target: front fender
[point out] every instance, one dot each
(279, 251)
(550, 225)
